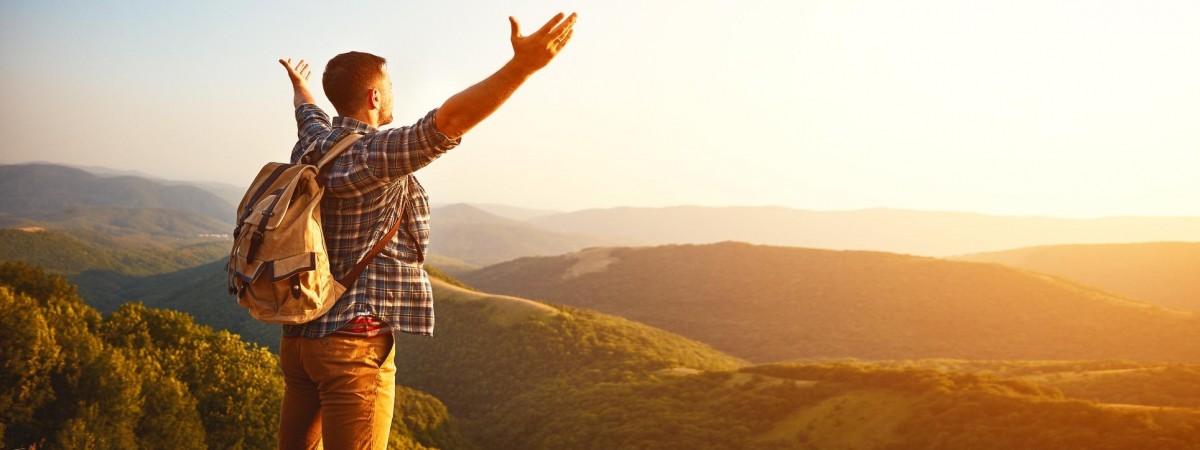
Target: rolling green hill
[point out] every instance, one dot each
(1162, 273)
(778, 303)
(75, 252)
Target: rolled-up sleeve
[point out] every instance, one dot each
(401, 151)
(311, 123)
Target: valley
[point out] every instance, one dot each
(552, 340)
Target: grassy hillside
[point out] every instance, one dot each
(481, 238)
(488, 349)
(777, 303)
(1163, 273)
(930, 233)
(452, 266)
(33, 188)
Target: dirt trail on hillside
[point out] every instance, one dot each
(589, 261)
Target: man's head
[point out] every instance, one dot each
(358, 83)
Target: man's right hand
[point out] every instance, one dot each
(299, 74)
(535, 51)
(468, 108)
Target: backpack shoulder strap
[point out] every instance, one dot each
(338, 148)
(311, 152)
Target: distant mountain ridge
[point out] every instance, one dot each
(927, 233)
(492, 233)
(1163, 273)
(768, 304)
(32, 188)
(478, 237)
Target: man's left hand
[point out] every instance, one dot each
(299, 74)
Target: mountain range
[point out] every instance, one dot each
(765, 303)
(469, 236)
(480, 238)
(40, 188)
(927, 233)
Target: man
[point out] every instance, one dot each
(339, 370)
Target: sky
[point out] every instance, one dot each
(1050, 107)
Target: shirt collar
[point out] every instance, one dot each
(353, 124)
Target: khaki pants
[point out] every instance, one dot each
(337, 389)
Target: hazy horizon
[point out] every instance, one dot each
(1055, 109)
(438, 203)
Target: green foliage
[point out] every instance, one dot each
(422, 422)
(31, 280)
(170, 416)
(29, 355)
(237, 387)
(147, 378)
(102, 389)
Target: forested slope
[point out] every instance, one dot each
(766, 303)
(1163, 273)
(147, 378)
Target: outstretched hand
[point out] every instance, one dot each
(536, 50)
(299, 74)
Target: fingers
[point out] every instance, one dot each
(299, 71)
(565, 26)
(550, 24)
(516, 28)
(302, 69)
(562, 41)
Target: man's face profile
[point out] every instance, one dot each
(385, 97)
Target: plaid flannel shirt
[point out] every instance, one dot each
(365, 190)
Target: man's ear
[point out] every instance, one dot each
(376, 99)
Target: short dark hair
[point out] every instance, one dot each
(347, 78)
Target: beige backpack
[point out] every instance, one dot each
(279, 266)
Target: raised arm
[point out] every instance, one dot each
(299, 74)
(531, 53)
